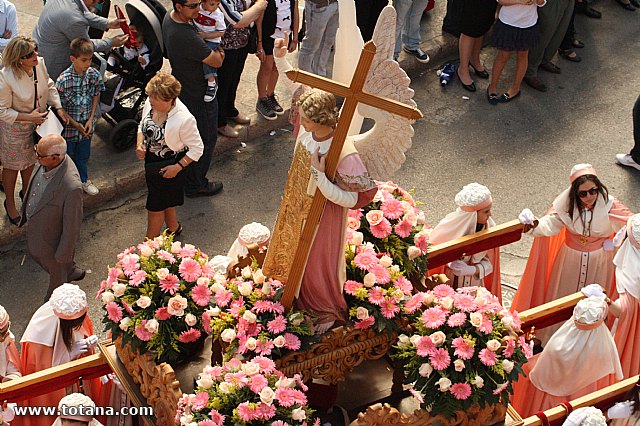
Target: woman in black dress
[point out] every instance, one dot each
(168, 142)
(476, 18)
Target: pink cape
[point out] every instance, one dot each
(533, 289)
(13, 357)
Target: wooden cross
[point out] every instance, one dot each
(353, 95)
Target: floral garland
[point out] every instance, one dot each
(464, 349)
(249, 393)
(157, 296)
(250, 319)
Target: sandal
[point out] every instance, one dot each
(569, 55)
(177, 232)
(492, 97)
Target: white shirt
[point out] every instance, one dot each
(8, 21)
(209, 22)
(284, 19)
(520, 15)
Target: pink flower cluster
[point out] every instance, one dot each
(254, 393)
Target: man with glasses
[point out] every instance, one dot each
(64, 20)
(53, 209)
(187, 52)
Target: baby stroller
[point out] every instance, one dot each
(125, 79)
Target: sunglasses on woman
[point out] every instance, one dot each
(592, 191)
(30, 54)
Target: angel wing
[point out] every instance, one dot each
(382, 148)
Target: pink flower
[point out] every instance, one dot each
(443, 290)
(266, 411)
(425, 346)
(421, 240)
(162, 314)
(517, 323)
(463, 348)
(130, 264)
(511, 347)
(351, 286)
(291, 341)
(356, 214)
(277, 325)
(374, 217)
(285, 397)
(166, 256)
(404, 285)
(114, 312)
(128, 308)
(464, 303)
(267, 366)
(382, 229)
(126, 252)
(142, 333)
(170, 284)
(392, 208)
(257, 383)
(280, 423)
(223, 298)
(486, 326)
(200, 401)
(376, 295)
(365, 323)
(187, 251)
(365, 260)
(383, 276)
(525, 347)
(487, 357)
(440, 359)
(461, 391)
(433, 317)
(457, 319)
(191, 335)
(501, 388)
(353, 223)
(389, 309)
(414, 303)
(137, 278)
(403, 229)
(206, 322)
(261, 306)
(246, 412)
(264, 347)
(417, 395)
(190, 270)
(201, 295)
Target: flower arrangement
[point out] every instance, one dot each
(376, 289)
(395, 226)
(464, 349)
(249, 393)
(157, 295)
(248, 316)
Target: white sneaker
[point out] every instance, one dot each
(626, 160)
(89, 188)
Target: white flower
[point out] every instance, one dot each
(444, 384)
(144, 302)
(369, 280)
(458, 364)
(425, 370)
(251, 343)
(447, 303)
(414, 339)
(251, 368)
(493, 345)
(228, 335)
(217, 287)
(403, 340)
(298, 414)
(186, 419)
(245, 288)
(394, 269)
(145, 250)
(279, 341)
(214, 312)
(285, 382)
(258, 277)
(190, 319)
(508, 322)
(296, 319)
(397, 295)
(219, 264)
(413, 252)
(378, 197)
(226, 387)
(249, 317)
(205, 381)
(386, 261)
(247, 272)
(428, 298)
(507, 365)
(421, 219)
(108, 297)
(162, 273)
(475, 318)
(176, 247)
(118, 289)
(220, 279)
(203, 281)
(438, 338)
(266, 288)
(357, 238)
(478, 382)
(362, 313)
(266, 395)
(124, 323)
(176, 305)
(152, 326)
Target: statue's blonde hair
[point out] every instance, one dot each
(319, 106)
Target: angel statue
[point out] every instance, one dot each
(376, 154)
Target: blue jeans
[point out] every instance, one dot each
(80, 151)
(409, 14)
(206, 115)
(319, 38)
(208, 70)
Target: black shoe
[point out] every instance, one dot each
(482, 74)
(418, 53)
(635, 3)
(626, 6)
(504, 98)
(470, 87)
(177, 232)
(273, 103)
(566, 54)
(592, 13)
(77, 275)
(263, 106)
(551, 67)
(492, 97)
(21, 194)
(212, 188)
(13, 220)
(535, 83)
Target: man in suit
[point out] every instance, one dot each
(53, 208)
(64, 20)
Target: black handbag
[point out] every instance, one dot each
(155, 167)
(35, 135)
(252, 45)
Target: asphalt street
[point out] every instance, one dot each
(523, 151)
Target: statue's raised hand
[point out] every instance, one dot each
(280, 46)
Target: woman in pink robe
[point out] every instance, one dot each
(572, 247)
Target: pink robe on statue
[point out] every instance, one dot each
(559, 265)
(11, 367)
(324, 275)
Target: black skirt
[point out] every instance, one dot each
(509, 38)
(476, 16)
(163, 193)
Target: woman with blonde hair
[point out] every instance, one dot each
(26, 91)
(168, 142)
